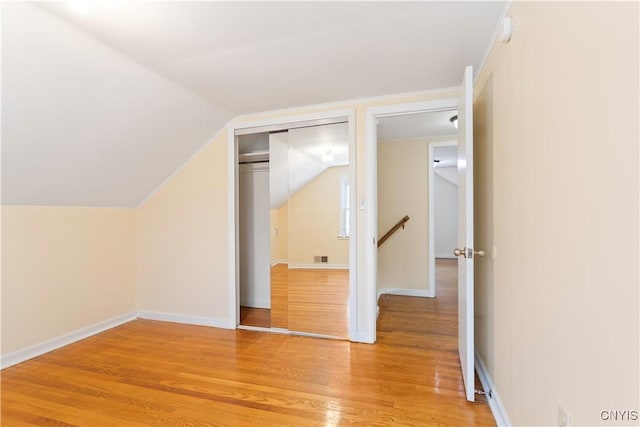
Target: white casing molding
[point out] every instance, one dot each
(495, 404)
(245, 122)
(370, 201)
(36, 350)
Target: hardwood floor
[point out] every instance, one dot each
(318, 301)
(148, 373)
(304, 300)
(280, 296)
(251, 316)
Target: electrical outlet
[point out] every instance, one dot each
(564, 420)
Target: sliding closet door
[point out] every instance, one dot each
(279, 197)
(318, 231)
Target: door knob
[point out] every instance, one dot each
(468, 253)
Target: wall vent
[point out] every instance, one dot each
(321, 259)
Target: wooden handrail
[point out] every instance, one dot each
(393, 230)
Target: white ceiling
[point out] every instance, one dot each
(100, 108)
(419, 125)
(447, 156)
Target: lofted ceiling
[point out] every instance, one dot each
(100, 107)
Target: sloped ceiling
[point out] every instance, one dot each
(100, 108)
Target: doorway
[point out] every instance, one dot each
(443, 200)
(303, 171)
(386, 126)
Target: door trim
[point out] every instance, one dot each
(233, 285)
(371, 223)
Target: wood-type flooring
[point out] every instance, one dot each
(149, 373)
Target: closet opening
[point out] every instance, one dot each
(293, 222)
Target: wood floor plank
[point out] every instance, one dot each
(252, 316)
(280, 296)
(318, 301)
(148, 373)
(305, 300)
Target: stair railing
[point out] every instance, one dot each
(393, 229)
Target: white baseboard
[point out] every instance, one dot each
(36, 350)
(320, 266)
(406, 292)
(186, 319)
(495, 404)
(446, 256)
(279, 261)
(399, 291)
(63, 340)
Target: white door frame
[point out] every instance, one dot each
(432, 215)
(233, 286)
(371, 166)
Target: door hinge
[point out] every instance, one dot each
(485, 393)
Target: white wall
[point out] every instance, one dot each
(448, 173)
(93, 116)
(254, 226)
(558, 199)
(445, 199)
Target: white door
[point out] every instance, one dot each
(465, 251)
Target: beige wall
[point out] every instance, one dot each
(280, 240)
(561, 101)
(183, 228)
(183, 240)
(403, 189)
(64, 269)
(314, 220)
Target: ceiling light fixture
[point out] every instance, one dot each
(454, 121)
(327, 157)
